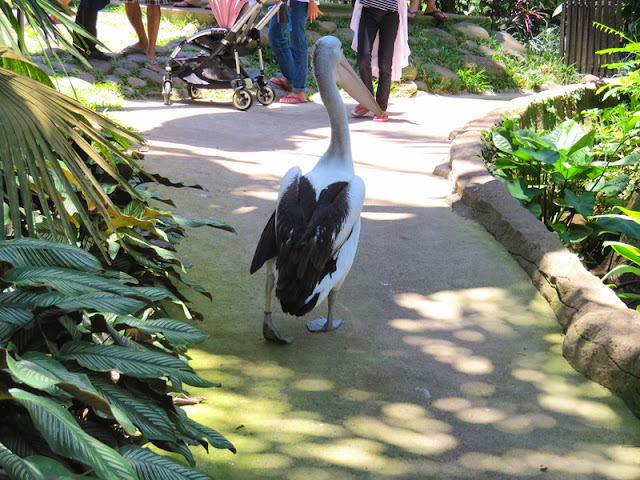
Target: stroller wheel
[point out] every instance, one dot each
(194, 92)
(242, 99)
(266, 96)
(166, 92)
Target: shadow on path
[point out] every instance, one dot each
(448, 364)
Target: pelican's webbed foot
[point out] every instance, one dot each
(270, 333)
(322, 325)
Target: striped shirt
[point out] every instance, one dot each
(381, 4)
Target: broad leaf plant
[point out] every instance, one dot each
(90, 363)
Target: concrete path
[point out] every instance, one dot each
(448, 364)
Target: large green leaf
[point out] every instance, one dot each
(584, 203)
(502, 143)
(152, 420)
(151, 466)
(16, 467)
(627, 251)
(202, 222)
(102, 302)
(610, 186)
(66, 438)
(29, 252)
(68, 281)
(53, 469)
(174, 331)
(45, 373)
(193, 379)
(130, 362)
(196, 431)
(546, 155)
(566, 136)
(622, 269)
(12, 319)
(619, 224)
(17, 63)
(520, 189)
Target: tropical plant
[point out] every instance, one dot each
(627, 223)
(527, 16)
(88, 373)
(556, 176)
(88, 361)
(474, 81)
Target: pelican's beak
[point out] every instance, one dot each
(348, 79)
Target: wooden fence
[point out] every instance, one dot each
(580, 39)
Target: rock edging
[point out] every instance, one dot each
(602, 336)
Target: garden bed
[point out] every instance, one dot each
(602, 335)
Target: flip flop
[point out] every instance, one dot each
(185, 5)
(411, 14)
(282, 83)
(207, 6)
(437, 14)
(381, 118)
(359, 111)
(148, 64)
(292, 99)
(131, 49)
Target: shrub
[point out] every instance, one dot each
(88, 371)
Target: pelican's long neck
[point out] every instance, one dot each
(339, 152)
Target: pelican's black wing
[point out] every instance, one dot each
(306, 232)
(267, 247)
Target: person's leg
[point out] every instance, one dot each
(153, 26)
(414, 6)
(87, 20)
(299, 49)
(387, 38)
(134, 14)
(280, 46)
(65, 4)
(367, 31)
(433, 11)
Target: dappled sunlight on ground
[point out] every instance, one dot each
(293, 412)
(448, 365)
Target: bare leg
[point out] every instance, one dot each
(431, 7)
(268, 330)
(328, 324)
(134, 14)
(153, 26)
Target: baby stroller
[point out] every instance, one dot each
(217, 65)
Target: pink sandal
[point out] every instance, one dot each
(359, 111)
(292, 99)
(381, 118)
(282, 83)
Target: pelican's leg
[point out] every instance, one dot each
(268, 330)
(322, 324)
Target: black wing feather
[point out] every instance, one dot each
(305, 233)
(267, 247)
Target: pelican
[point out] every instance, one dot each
(309, 244)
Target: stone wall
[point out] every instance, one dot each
(602, 336)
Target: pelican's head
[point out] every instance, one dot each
(328, 58)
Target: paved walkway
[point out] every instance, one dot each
(448, 365)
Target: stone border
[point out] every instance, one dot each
(602, 336)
